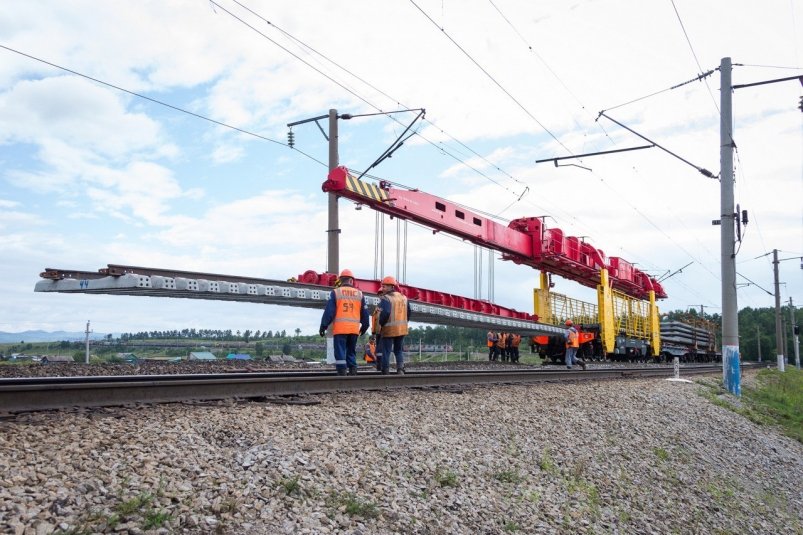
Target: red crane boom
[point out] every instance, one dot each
(525, 240)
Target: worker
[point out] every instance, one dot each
(572, 344)
(493, 345)
(515, 348)
(394, 313)
(502, 343)
(369, 351)
(375, 328)
(509, 347)
(347, 313)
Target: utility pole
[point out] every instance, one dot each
(758, 342)
(333, 241)
(87, 342)
(730, 319)
(793, 324)
(333, 232)
(778, 329)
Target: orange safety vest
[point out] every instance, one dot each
(490, 339)
(375, 321)
(502, 339)
(371, 357)
(516, 340)
(397, 322)
(347, 315)
(572, 339)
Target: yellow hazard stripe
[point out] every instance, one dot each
(365, 189)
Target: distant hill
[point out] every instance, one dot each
(45, 336)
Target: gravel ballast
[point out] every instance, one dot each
(637, 456)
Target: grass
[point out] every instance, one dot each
(779, 397)
(720, 492)
(547, 464)
(133, 505)
(290, 484)
(509, 476)
(154, 519)
(661, 453)
(512, 527)
(446, 478)
(775, 399)
(353, 505)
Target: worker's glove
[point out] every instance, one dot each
(322, 331)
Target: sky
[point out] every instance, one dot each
(94, 172)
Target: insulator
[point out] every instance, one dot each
(291, 139)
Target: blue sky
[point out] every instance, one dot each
(90, 175)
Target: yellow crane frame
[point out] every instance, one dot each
(615, 312)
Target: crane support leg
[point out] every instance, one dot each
(605, 309)
(542, 308)
(655, 326)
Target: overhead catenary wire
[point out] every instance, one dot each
(165, 104)
(693, 53)
(549, 68)
(570, 216)
(397, 101)
(494, 80)
(697, 78)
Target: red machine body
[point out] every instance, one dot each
(524, 241)
(423, 295)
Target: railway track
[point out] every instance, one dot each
(45, 393)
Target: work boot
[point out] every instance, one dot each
(352, 370)
(583, 364)
(400, 370)
(341, 371)
(384, 371)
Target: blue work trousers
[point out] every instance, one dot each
(571, 356)
(392, 344)
(345, 350)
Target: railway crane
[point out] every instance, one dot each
(626, 296)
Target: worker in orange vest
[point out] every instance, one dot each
(394, 313)
(572, 345)
(348, 315)
(370, 351)
(493, 345)
(514, 345)
(503, 346)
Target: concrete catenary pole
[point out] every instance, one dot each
(758, 342)
(778, 328)
(793, 323)
(86, 359)
(730, 310)
(333, 249)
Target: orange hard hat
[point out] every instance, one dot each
(346, 273)
(568, 322)
(389, 281)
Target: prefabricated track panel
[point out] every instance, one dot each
(272, 293)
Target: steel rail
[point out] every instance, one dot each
(34, 394)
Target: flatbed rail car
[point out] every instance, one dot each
(690, 341)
